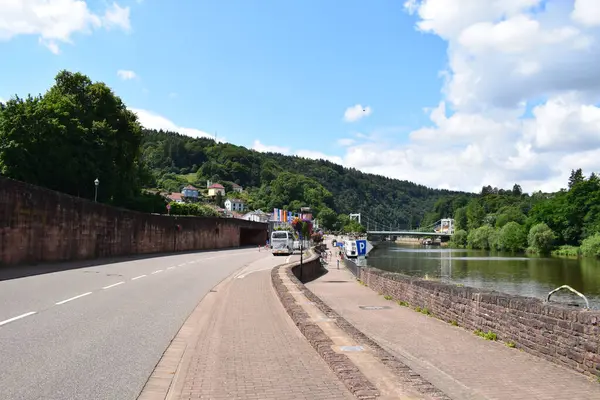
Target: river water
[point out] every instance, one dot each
(521, 275)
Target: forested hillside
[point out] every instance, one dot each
(279, 181)
(567, 222)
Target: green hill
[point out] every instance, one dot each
(278, 181)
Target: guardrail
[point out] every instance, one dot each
(352, 267)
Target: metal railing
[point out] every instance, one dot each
(352, 267)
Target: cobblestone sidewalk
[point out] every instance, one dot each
(246, 347)
(462, 365)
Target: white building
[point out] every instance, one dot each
(257, 216)
(234, 205)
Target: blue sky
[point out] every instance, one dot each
(457, 94)
(279, 72)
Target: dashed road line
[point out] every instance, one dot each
(170, 267)
(157, 272)
(113, 285)
(6, 321)
(73, 298)
(138, 277)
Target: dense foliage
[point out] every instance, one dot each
(510, 220)
(76, 132)
(277, 181)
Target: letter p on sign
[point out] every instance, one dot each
(361, 247)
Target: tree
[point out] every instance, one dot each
(516, 190)
(575, 177)
(89, 131)
(512, 237)
(327, 218)
(541, 238)
(219, 200)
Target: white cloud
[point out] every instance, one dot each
(346, 142)
(520, 103)
(55, 21)
(258, 146)
(117, 16)
(151, 120)
(315, 155)
(356, 112)
(586, 12)
(126, 74)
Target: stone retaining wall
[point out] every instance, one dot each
(566, 336)
(40, 225)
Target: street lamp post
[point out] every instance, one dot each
(96, 183)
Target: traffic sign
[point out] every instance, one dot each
(168, 206)
(363, 247)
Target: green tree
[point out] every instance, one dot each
(89, 131)
(541, 238)
(512, 237)
(219, 201)
(327, 218)
(459, 239)
(475, 214)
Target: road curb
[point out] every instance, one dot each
(403, 373)
(340, 364)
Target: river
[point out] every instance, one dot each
(521, 275)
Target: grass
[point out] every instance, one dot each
(487, 336)
(388, 297)
(566, 251)
(402, 303)
(453, 323)
(512, 345)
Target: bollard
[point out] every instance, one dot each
(338, 264)
(259, 248)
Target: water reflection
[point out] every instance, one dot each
(526, 276)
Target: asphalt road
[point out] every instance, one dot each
(98, 332)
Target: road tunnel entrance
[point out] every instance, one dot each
(253, 237)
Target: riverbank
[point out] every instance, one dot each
(531, 276)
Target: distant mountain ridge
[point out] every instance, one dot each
(273, 180)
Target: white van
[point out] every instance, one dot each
(282, 242)
(350, 248)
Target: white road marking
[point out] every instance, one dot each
(157, 271)
(16, 318)
(138, 277)
(72, 298)
(113, 285)
(287, 260)
(181, 265)
(246, 273)
(170, 267)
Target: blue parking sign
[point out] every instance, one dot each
(361, 247)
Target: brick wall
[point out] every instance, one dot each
(40, 225)
(311, 267)
(564, 335)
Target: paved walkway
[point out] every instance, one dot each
(245, 346)
(462, 365)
